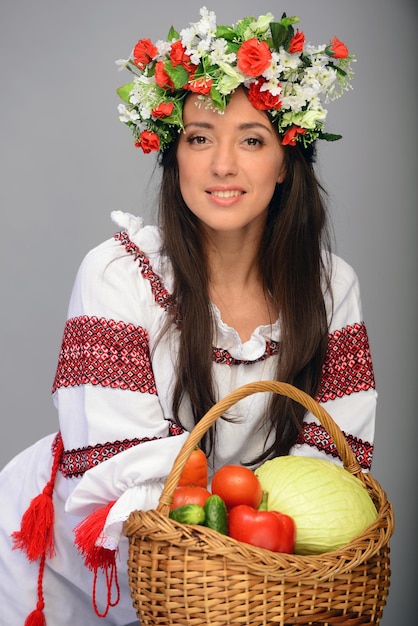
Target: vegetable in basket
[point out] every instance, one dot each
(195, 472)
(236, 484)
(189, 494)
(213, 514)
(329, 505)
(188, 514)
(216, 514)
(270, 530)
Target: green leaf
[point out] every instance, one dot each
(242, 26)
(283, 31)
(124, 91)
(232, 47)
(178, 74)
(278, 33)
(329, 136)
(217, 98)
(227, 32)
(289, 21)
(172, 34)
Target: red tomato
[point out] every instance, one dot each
(195, 472)
(189, 495)
(265, 529)
(237, 485)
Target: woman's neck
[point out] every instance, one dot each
(233, 260)
(236, 285)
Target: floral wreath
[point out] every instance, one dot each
(284, 76)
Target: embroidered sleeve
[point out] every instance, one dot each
(111, 418)
(347, 387)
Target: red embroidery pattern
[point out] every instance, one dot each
(73, 463)
(104, 352)
(316, 436)
(348, 366)
(161, 295)
(224, 358)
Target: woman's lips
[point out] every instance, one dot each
(229, 193)
(225, 195)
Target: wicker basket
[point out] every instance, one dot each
(181, 574)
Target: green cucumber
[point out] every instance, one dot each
(216, 514)
(188, 514)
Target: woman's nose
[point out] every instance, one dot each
(224, 161)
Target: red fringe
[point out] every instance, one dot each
(96, 557)
(86, 535)
(35, 536)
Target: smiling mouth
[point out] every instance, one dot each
(232, 193)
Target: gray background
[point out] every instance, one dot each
(66, 162)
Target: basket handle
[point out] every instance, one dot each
(285, 389)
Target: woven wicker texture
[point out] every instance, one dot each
(184, 575)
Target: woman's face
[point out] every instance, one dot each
(229, 164)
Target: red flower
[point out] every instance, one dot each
(148, 141)
(253, 57)
(144, 52)
(290, 136)
(338, 49)
(200, 85)
(163, 110)
(178, 56)
(162, 78)
(262, 100)
(297, 42)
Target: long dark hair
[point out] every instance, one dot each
(293, 271)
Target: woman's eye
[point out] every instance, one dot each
(253, 141)
(197, 140)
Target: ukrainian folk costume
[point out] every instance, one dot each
(117, 439)
(65, 499)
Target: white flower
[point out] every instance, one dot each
(261, 25)
(122, 64)
(274, 87)
(197, 53)
(319, 60)
(292, 101)
(187, 36)
(207, 25)
(289, 65)
(273, 73)
(289, 61)
(163, 48)
(127, 114)
(305, 119)
(144, 95)
(229, 82)
(311, 50)
(319, 79)
(219, 53)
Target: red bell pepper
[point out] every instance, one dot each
(265, 529)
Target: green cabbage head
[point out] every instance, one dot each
(329, 505)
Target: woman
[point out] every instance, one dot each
(236, 284)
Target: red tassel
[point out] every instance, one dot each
(96, 557)
(87, 533)
(36, 618)
(35, 536)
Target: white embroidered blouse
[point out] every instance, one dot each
(113, 384)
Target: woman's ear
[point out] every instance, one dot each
(282, 174)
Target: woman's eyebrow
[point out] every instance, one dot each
(199, 125)
(251, 125)
(243, 126)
